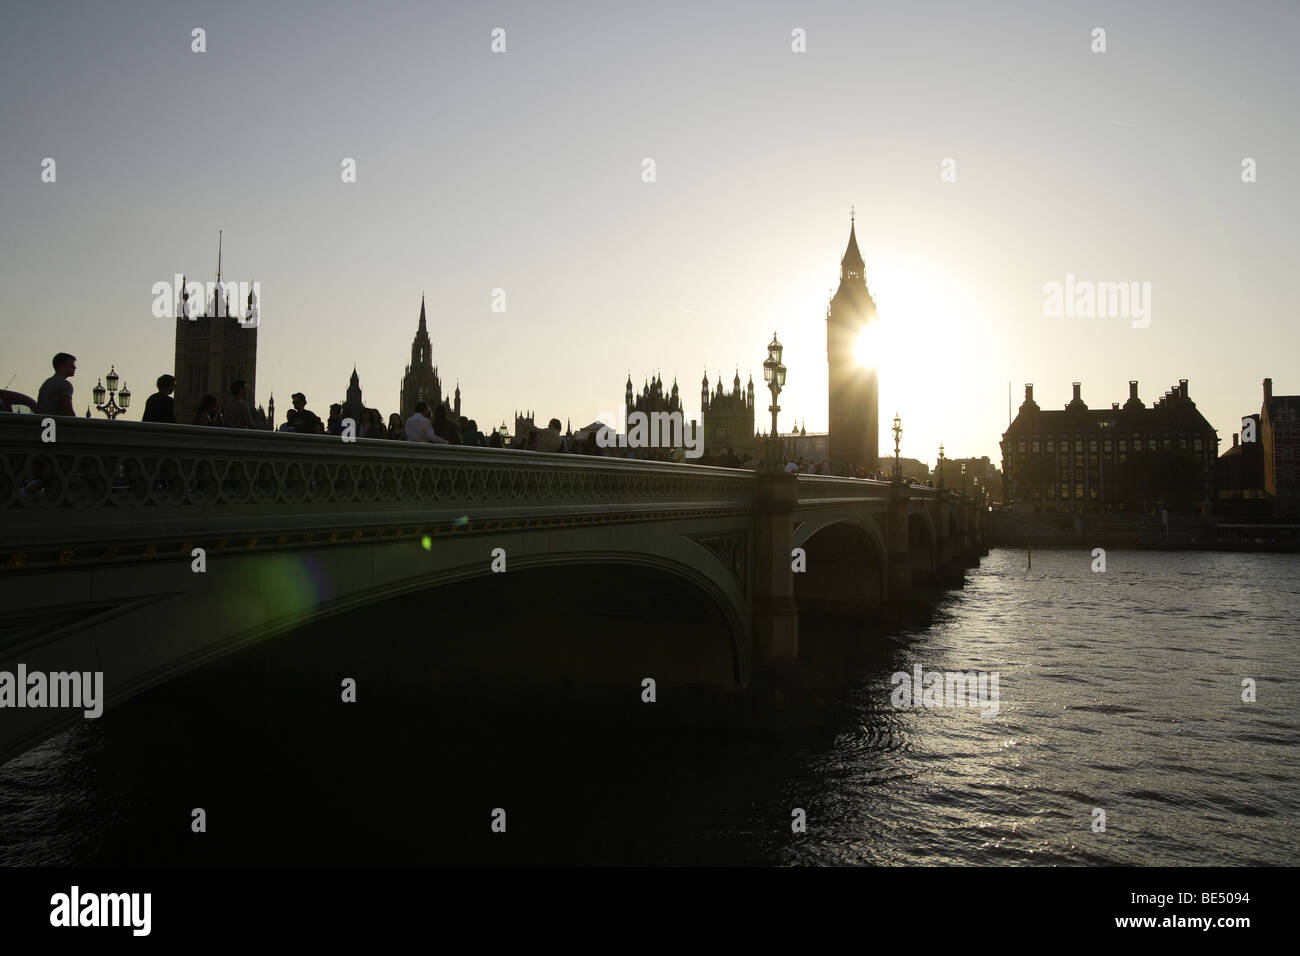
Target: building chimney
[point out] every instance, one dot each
(1132, 389)
(1268, 390)
(1234, 439)
(1077, 387)
(1182, 388)
(1114, 406)
(1029, 391)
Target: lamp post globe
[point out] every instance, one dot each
(107, 399)
(898, 433)
(774, 375)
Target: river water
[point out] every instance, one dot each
(1119, 692)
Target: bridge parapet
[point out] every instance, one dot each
(117, 489)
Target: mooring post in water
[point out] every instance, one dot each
(1030, 562)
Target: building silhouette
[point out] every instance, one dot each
(352, 404)
(801, 443)
(653, 399)
(1239, 476)
(990, 478)
(215, 349)
(1078, 459)
(853, 404)
(727, 419)
(1280, 433)
(421, 382)
(523, 423)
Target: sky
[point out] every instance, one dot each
(524, 171)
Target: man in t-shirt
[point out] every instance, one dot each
(161, 407)
(55, 396)
(237, 414)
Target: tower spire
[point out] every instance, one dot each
(852, 266)
(218, 256)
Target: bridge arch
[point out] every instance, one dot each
(847, 567)
(172, 621)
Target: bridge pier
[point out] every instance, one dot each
(966, 554)
(900, 563)
(949, 572)
(776, 615)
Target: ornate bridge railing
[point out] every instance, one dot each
(127, 490)
(817, 491)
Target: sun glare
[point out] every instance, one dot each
(870, 347)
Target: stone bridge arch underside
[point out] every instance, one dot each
(589, 604)
(847, 571)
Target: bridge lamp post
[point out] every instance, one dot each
(111, 408)
(898, 433)
(941, 466)
(774, 375)
(963, 477)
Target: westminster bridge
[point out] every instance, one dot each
(145, 551)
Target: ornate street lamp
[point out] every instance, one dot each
(112, 408)
(898, 433)
(963, 477)
(774, 375)
(941, 466)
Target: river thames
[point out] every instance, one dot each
(1120, 692)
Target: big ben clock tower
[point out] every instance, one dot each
(854, 390)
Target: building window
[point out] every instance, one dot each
(1051, 446)
(1092, 445)
(1106, 446)
(1020, 445)
(1035, 448)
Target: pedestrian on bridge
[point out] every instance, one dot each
(419, 428)
(237, 414)
(55, 396)
(445, 427)
(206, 412)
(160, 406)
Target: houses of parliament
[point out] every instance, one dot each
(220, 347)
(728, 418)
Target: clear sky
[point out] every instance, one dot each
(523, 171)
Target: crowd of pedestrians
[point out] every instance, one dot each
(436, 426)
